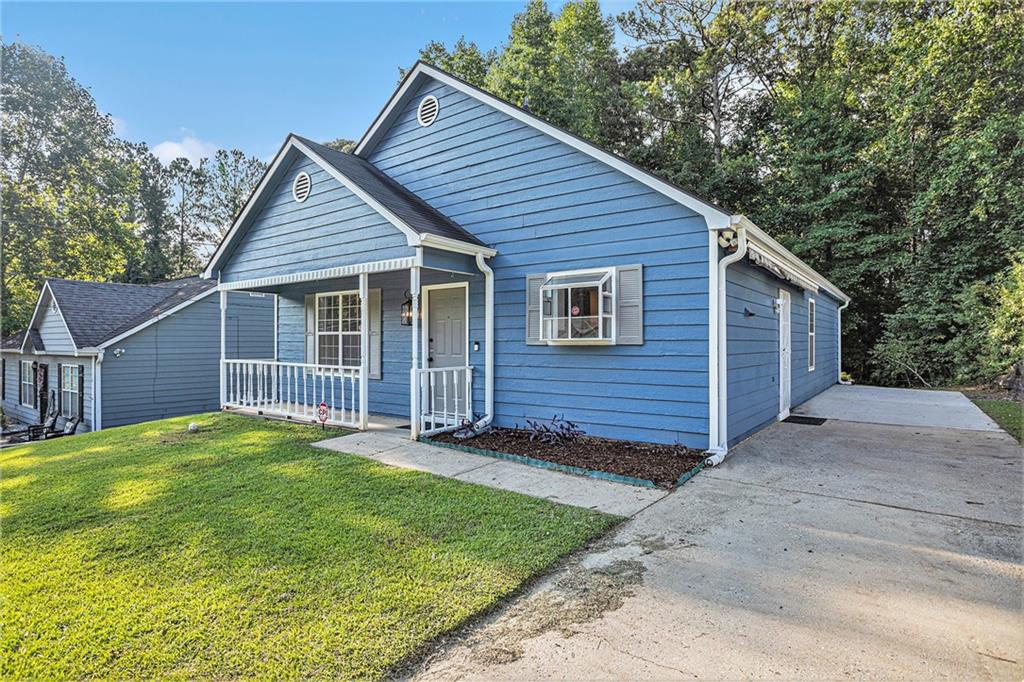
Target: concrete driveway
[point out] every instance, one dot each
(846, 549)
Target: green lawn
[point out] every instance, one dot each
(1007, 413)
(243, 551)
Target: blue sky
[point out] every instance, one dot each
(190, 77)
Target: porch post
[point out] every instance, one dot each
(414, 380)
(223, 347)
(364, 347)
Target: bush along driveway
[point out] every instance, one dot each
(240, 550)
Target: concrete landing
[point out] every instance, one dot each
(388, 447)
(898, 407)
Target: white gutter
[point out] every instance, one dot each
(720, 443)
(97, 391)
(488, 342)
(839, 342)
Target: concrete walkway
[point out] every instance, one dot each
(814, 552)
(898, 406)
(390, 446)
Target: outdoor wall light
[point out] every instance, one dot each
(118, 352)
(747, 312)
(407, 310)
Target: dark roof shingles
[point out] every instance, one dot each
(98, 311)
(415, 212)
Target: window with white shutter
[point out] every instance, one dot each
(599, 306)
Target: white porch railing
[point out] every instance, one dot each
(445, 398)
(289, 389)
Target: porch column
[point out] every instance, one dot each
(364, 347)
(223, 348)
(414, 380)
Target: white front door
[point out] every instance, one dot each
(785, 353)
(446, 339)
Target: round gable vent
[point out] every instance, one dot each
(427, 111)
(301, 187)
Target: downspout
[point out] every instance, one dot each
(839, 343)
(721, 448)
(484, 422)
(97, 391)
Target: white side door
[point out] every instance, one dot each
(785, 353)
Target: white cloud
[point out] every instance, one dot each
(190, 146)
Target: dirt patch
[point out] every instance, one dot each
(662, 464)
(581, 596)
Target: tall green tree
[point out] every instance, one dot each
(231, 177)
(190, 213)
(465, 59)
(524, 72)
(66, 184)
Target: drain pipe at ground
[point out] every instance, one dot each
(721, 449)
(839, 343)
(484, 422)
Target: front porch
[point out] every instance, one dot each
(375, 349)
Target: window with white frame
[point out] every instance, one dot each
(69, 390)
(578, 306)
(811, 333)
(338, 327)
(28, 384)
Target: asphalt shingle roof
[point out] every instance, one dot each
(13, 341)
(416, 213)
(98, 311)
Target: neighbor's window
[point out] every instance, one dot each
(337, 329)
(578, 306)
(69, 389)
(811, 310)
(28, 384)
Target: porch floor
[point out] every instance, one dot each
(394, 448)
(378, 423)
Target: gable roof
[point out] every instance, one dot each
(96, 312)
(421, 223)
(715, 216)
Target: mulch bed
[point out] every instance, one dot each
(662, 464)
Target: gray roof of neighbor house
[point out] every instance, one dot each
(416, 213)
(98, 311)
(12, 341)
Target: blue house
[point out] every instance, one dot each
(472, 262)
(108, 354)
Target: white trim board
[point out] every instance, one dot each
(157, 318)
(412, 236)
(325, 273)
(715, 217)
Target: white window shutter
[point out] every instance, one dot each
(375, 335)
(310, 328)
(629, 314)
(533, 285)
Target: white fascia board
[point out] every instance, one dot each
(412, 236)
(715, 217)
(153, 320)
(456, 246)
(766, 244)
(35, 314)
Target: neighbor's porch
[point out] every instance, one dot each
(373, 347)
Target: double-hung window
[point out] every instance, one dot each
(578, 307)
(811, 334)
(28, 384)
(338, 327)
(69, 390)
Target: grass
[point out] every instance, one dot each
(1008, 414)
(240, 550)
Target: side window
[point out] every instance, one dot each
(811, 333)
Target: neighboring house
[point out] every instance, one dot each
(114, 354)
(469, 248)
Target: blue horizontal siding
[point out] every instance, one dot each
(546, 206)
(333, 227)
(172, 367)
(30, 415)
(388, 395)
(753, 348)
(54, 332)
